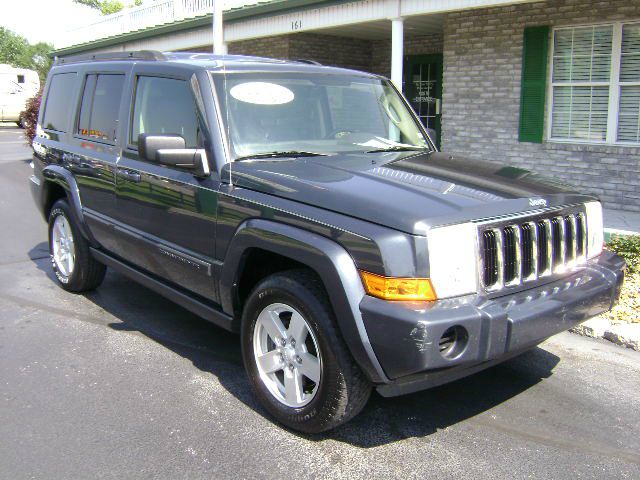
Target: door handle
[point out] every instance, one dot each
(129, 175)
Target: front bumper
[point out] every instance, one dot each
(405, 336)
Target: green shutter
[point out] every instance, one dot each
(533, 86)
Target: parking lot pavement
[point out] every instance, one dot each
(120, 383)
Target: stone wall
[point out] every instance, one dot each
(327, 49)
(331, 50)
(481, 97)
(272, 47)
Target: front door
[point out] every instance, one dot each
(423, 89)
(166, 217)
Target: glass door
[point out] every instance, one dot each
(423, 89)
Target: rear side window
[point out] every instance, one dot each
(59, 101)
(164, 106)
(100, 106)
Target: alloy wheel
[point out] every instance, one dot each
(287, 355)
(63, 249)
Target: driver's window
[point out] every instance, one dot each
(355, 108)
(164, 106)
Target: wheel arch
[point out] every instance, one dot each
(301, 248)
(59, 183)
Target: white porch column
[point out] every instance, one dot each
(397, 51)
(219, 47)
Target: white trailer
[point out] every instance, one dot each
(17, 85)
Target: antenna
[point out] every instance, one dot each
(226, 113)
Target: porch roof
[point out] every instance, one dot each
(248, 19)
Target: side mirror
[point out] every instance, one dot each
(149, 144)
(171, 150)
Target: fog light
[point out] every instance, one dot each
(453, 342)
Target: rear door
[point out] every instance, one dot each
(94, 147)
(166, 217)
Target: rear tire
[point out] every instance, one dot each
(332, 389)
(74, 267)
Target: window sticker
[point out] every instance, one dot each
(261, 93)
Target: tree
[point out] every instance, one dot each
(18, 52)
(106, 7)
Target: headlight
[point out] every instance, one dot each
(393, 288)
(452, 259)
(595, 234)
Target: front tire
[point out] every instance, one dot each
(71, 260)
(299, 367)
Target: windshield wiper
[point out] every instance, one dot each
(291, 153)
(397, 148)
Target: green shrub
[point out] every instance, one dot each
(30, 116)
(628, 247)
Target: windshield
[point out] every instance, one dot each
(303, 114)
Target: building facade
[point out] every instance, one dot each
(552, 86)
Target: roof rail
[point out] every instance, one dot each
(306, 60)
(149, 55)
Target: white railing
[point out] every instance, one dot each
(145, 16)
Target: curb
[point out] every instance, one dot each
(612, 233)
(625, 334)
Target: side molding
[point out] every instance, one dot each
(60, 176)
(329, 260)
(204, 310)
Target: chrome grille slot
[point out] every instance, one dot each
(528, 246)
(581, 236)
(519, 252)
(544, 249)
(490, 255)
(509, 254)
(570, 229)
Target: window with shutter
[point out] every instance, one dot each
(595, 84)
(580, 82)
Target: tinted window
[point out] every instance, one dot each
(59, 102)
(165, 106)
(85, 107)
(100, 106)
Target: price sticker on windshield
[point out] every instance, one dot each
(262, 93)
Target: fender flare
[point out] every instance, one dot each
(328, 259)
(55, 174)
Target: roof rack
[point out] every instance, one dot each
(148, 55)
(306, 60)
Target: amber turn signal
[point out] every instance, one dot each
(393, 288)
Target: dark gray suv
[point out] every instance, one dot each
(306, 208)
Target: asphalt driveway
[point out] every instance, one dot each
(121, 383)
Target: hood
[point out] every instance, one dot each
(403, 190)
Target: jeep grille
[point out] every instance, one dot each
(516, 252)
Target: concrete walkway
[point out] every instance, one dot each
(621, 222)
